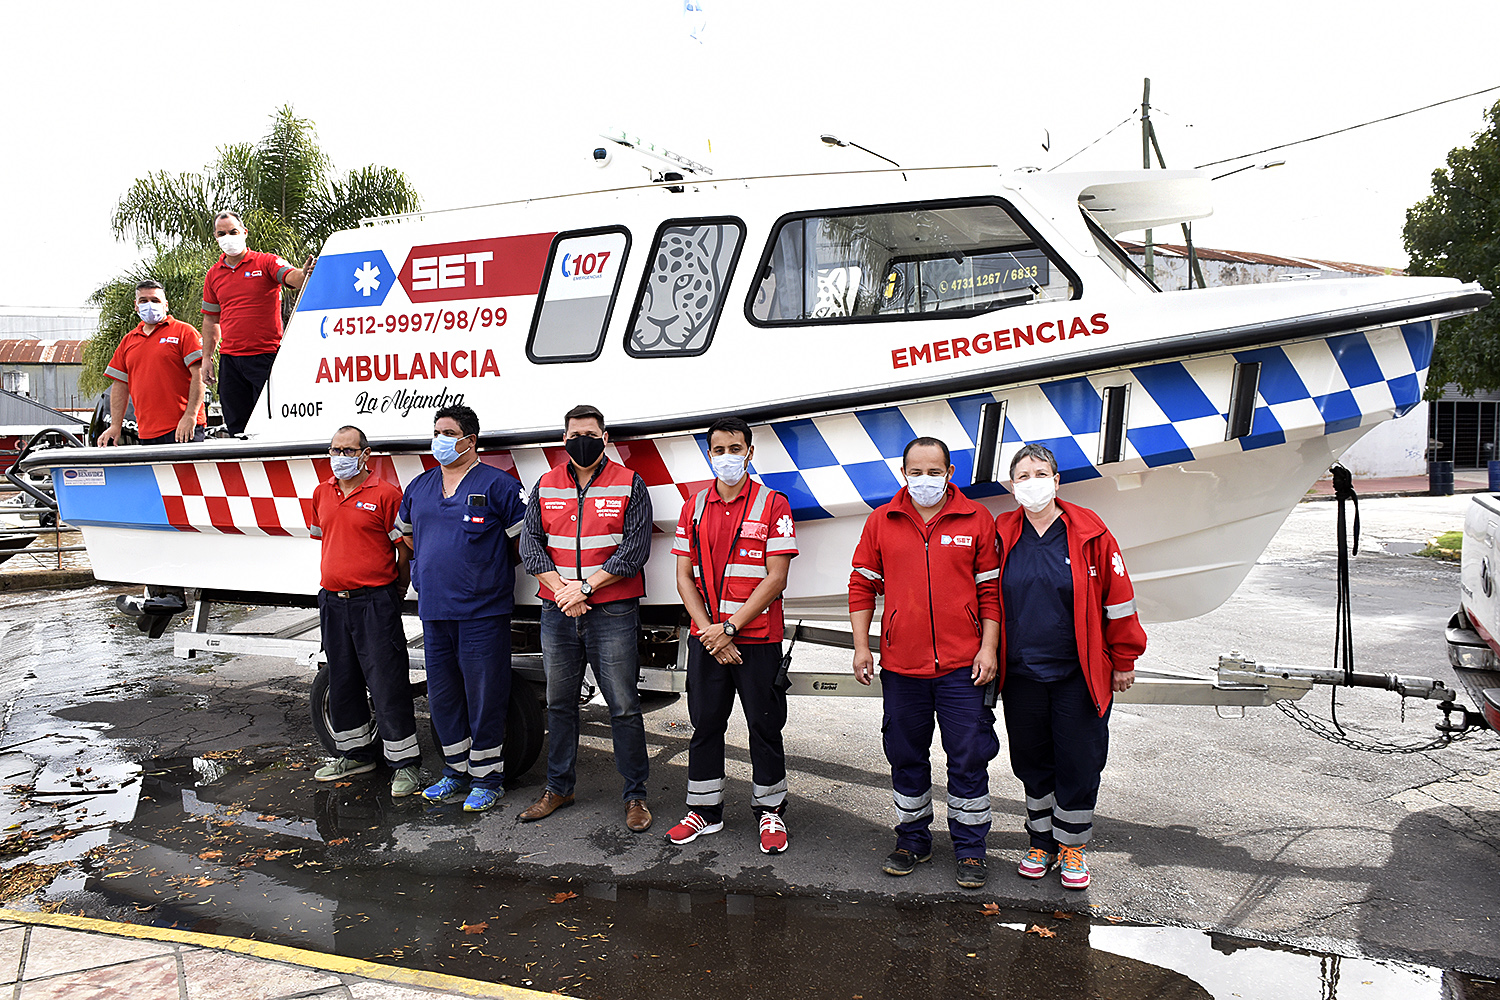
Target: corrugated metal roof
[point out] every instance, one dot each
(1242, 257)
(41, 352)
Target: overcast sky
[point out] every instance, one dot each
(481, 102)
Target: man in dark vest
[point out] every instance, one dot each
(735, 542)
(587, 537)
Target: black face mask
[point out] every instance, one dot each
(585, 450)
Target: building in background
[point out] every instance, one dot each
(41, 358)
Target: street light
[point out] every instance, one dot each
(834, 140)
(1250, 166)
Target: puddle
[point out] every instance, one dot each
(215, 847)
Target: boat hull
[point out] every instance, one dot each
(1191, 508)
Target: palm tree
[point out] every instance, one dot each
(282, 186)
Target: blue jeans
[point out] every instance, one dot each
(605, 636)
(468, 691)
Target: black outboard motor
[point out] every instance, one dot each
(99, 423)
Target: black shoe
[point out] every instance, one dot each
(903, 862)
(971, 873)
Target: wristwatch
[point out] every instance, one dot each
(730, 630)
(586, 588)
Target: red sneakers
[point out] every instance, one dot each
(772, 833)
(691, 828)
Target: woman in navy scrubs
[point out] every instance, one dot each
(462, 516)
(1070, 641)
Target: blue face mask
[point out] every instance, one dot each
(445, 449)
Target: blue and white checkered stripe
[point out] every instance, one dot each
(847, 464)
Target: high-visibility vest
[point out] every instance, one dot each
(585, 526)
(744, 569)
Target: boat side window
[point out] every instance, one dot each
(1118, 260)
(682, 291)
(577, 295)
(930, 259)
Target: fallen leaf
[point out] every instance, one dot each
(1113, 920)
(1062, 915)
(266, 818)
(210, 855)
(343, 784)
(990, 908)
(338, 840)
(123, 874)
(1039, 931)
(562, 897)
(478, 928)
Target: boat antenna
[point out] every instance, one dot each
(645, 148)
(1149, 144)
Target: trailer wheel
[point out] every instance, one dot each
(318, 703)
(525, 728)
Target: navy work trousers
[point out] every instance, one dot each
(468, 691)
(241, 379)
(710, 696)
(366, 649)
(607, 636)
(967, 728)
(1058, 748)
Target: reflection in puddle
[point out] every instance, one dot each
(235, 849)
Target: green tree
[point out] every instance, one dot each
(285, 189)
(1455, 233)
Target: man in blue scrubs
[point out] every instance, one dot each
(462, 517)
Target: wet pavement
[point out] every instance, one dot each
(179, 793)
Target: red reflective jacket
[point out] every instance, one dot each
(1109, 633)
(585, 527)
(940, 580)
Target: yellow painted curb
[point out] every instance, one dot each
(335, 964)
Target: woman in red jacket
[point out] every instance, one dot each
(1070, 642)
(931, 552)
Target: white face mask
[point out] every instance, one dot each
(926, 491)
(232, 245)
(730, 469)
(151, 313)
(1035, 493)
(345, 467)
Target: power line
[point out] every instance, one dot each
(1377, 121)
(1128, 118)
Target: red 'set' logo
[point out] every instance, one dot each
(476, 269)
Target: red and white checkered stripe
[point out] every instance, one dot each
(274, 497)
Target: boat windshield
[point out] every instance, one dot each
(925, 259)
(1118, 260)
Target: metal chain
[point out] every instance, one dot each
(1320, 728)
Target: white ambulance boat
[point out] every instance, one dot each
(841, 315)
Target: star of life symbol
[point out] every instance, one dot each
(1118, 564)
(367, 279)
(784, 526)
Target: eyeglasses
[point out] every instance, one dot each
(344, 452)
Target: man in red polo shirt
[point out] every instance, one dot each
(156, 367)
(365, 570)
(242, 318)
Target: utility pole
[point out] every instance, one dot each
(1146, 165)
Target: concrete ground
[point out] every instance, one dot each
(1251, 827)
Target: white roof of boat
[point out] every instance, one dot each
(1123, 201)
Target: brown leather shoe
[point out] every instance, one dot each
(549, 803)
(637, 816)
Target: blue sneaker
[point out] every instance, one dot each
(481, 799)
(446, 788)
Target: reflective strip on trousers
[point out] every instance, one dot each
(768, 795)
(969, 812)
(1041, 804)
(1039, 814)
(459, 749)
(909, 808)
(705, 793)
(401, 748)
(353, 739)
(480, 770)
(1071, 839)
(1123, 610)
(1076, 817)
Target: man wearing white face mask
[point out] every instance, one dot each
(242, 318)
(156, 367)
(735, 542)
(364, 575)
(931, 552)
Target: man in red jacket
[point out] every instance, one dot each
(931, 552)
(735, 542)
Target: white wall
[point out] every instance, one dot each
(1393, 448)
